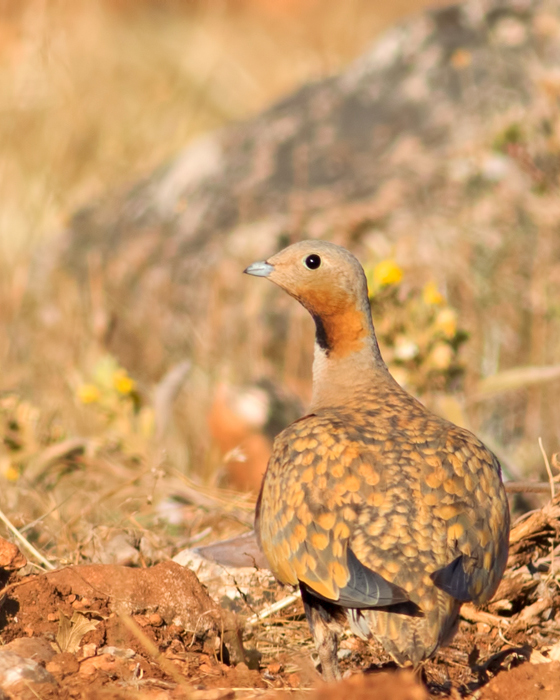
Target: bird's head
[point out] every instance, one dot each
(325, 278)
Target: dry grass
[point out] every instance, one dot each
(94, 95)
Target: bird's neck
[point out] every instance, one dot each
(347, 360)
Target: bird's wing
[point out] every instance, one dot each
(365, 519)
(477, 535)
(307, 511)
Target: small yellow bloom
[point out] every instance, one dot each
(11, 473)
(431, 294)
(387, 272)
(89, 393)
(446, 322)
(123, 383)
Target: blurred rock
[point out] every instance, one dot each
(440, 143)
(171, 590)
(226, 570)
(22, 677)
(36, 648)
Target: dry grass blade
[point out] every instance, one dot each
(25, 543)
(512, 379)
(274, 608)
(165, 665)
(527, 487)
(548, 469)
(240, 506)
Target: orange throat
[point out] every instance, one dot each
(343, 334)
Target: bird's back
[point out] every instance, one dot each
(407, 492)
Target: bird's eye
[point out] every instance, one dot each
(312, 261)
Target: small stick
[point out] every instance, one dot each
(527, 486)
(275, 607)
(552, 494)
(30, 548)
(548, 470)
(471, 614)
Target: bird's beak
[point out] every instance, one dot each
(260, 269)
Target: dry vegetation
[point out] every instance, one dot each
(94, 95)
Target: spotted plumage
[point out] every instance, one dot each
(378, 509)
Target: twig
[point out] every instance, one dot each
(548, 470)
(471, 614)
(275, 607)
(30, 548)
(552, 494)
(527, 486)
(56, 506)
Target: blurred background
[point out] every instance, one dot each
(108, 457)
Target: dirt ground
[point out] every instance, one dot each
(108, 631)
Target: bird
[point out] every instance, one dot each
(386, 516)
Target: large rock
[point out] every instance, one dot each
(439, 145)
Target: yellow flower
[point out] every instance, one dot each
(89, 393)
(11, 473)
(123, 383)
(431, 295)
(387, 272)
(446, 322)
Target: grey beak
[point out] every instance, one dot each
(260, 269)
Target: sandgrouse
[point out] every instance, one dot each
(378, 509)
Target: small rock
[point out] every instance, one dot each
(35, 648)
(89, 650)
(117, 652)
(155, 620)
(15, 669)
(105, 662)
(10, 556)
